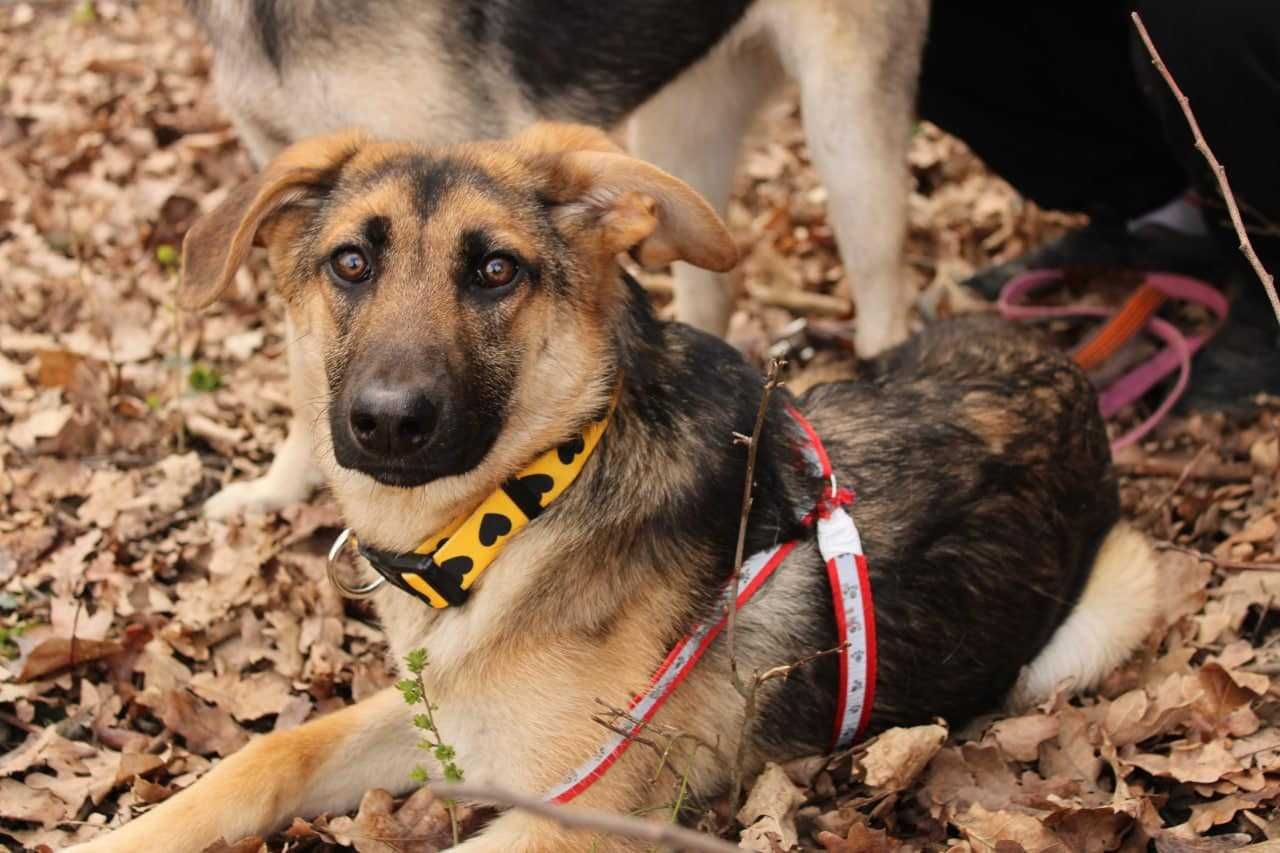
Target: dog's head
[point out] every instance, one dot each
(464, 299)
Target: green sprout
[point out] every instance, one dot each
(414, 691)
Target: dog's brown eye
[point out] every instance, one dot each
(350, 265)
(498, 270)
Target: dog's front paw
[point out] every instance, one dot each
(261, 495)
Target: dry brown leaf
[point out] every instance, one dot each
(898, 755)
(859, 839)
(987, 830)
(1204, 816)
(205, 728)
(137, 764)
(1135, 716)
(1020, 737)
(57, 653)
(24, 802)
(770, 810)
(1190, 762)
(1090, 830)
(248, 697)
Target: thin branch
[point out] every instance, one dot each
(590, 820)
(1183, 476)
(749, 712)
(786, 669)
(753, 445)
(1207, 471)
(1220, 173)
(638, 725)
(1226, 565)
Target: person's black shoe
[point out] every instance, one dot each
(1102, 247)
(1243, 358)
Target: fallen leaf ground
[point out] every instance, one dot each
(140, 643)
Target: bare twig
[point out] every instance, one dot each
(753, 445)
(1226, 565)
(590, 820)
(1205, 470)
(1183, 476)
(749, 712)
(802, 301)
(670, 733)
(1220, 173)
(1267, 668)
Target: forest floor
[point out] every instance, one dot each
(139, 643)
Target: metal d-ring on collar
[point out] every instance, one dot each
(363, 591)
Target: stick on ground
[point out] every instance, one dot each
(1220, 173)
(590, 820)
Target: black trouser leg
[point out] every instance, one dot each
(1045, 93)
(1225, 56)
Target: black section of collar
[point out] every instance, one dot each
(524, 497)
(446, 580)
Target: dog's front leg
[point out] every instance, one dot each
(294, 473)
(323, 766)
(723, 90)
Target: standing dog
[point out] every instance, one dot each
(466, 313)
(689, 76)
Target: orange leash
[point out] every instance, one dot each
(1120, 329)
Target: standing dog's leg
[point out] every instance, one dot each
(857, 65)
(323, 766)
(693, 128)
(294, 473)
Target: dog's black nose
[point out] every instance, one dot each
(392, 420)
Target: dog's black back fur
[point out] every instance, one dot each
(610, 54)
(984, 489)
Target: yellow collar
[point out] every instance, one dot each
(444, 567)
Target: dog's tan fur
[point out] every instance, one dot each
(585, 602)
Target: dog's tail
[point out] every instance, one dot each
(1118, 608)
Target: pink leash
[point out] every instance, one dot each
(1176, 354)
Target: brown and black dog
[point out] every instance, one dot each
(464, 311)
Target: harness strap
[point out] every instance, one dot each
(841, 548)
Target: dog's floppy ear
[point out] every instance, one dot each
(219, 241)
(632, 206)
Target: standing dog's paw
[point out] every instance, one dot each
(260, 495)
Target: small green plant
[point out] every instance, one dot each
(85, 13)
(8, 635)
(414, 692)
(167, 256)
(204, 378)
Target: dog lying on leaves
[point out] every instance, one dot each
(464, 311)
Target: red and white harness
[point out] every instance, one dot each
(841, 548)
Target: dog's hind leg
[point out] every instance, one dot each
(857, 64)
(325, 765)
(693, 128)
(1116, 611)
